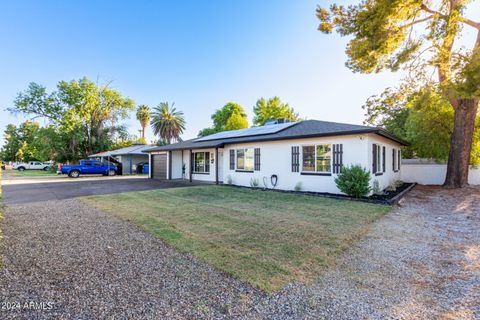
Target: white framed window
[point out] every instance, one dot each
(317, 158)
(378, 160)
(201, 162)
(245, 159)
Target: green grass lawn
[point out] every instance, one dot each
(33, 173)
(265, 238)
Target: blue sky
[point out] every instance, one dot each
(198, 54)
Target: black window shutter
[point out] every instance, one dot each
(295, 159)
(399, 159)
(207, 161)
(232, 159)
(394, 157)
(337, 157)
(257, 159)
(384, 149)
(374, 156)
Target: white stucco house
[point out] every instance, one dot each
(282, 155)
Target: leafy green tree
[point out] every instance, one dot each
(423, 117)
(206, 131)
(167, 122)
(143, 115)
(28, 150)
(231, 116)
(83, 115)
(11, 144)
(420, 37)
(161, 142)
(235, 122)
(272, 109)
(222, 116)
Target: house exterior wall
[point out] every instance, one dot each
(177, 165)
(275, 158)
(389, 176)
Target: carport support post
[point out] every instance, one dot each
(216, 165)
(190, 166)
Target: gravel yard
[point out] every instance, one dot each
(420, 261)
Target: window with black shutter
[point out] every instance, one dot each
(257, 159)
(399, 159)
(295, 159)
(337, 158)
(374, 158)
(232, 159)
(394, 159)
(384, 150)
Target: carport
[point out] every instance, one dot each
(129, 157)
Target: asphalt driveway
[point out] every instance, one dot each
(21, 190)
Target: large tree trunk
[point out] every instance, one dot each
(461, 146)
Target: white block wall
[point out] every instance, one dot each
(433, 174)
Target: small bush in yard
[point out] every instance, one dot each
(354, 181)
(52, 168)
(254, 183)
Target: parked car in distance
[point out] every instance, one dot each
(88, 167)
(32, 165)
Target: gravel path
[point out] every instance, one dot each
(420, 261)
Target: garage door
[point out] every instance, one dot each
(159, 170)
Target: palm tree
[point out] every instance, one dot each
(143, 115)
(167, 122)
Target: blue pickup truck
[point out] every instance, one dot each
(89, 167)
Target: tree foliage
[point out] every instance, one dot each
(168, 122)
(423, 117)
(231, 116)
(143, 116)
(420, 37)
(12, 143)
(272, 109)
(82, 117)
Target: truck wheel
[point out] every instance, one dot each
(74, 174)
(111, 173)
(45, 169)
(21, 169)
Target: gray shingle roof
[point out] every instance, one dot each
(133, 150)
(302, 129)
